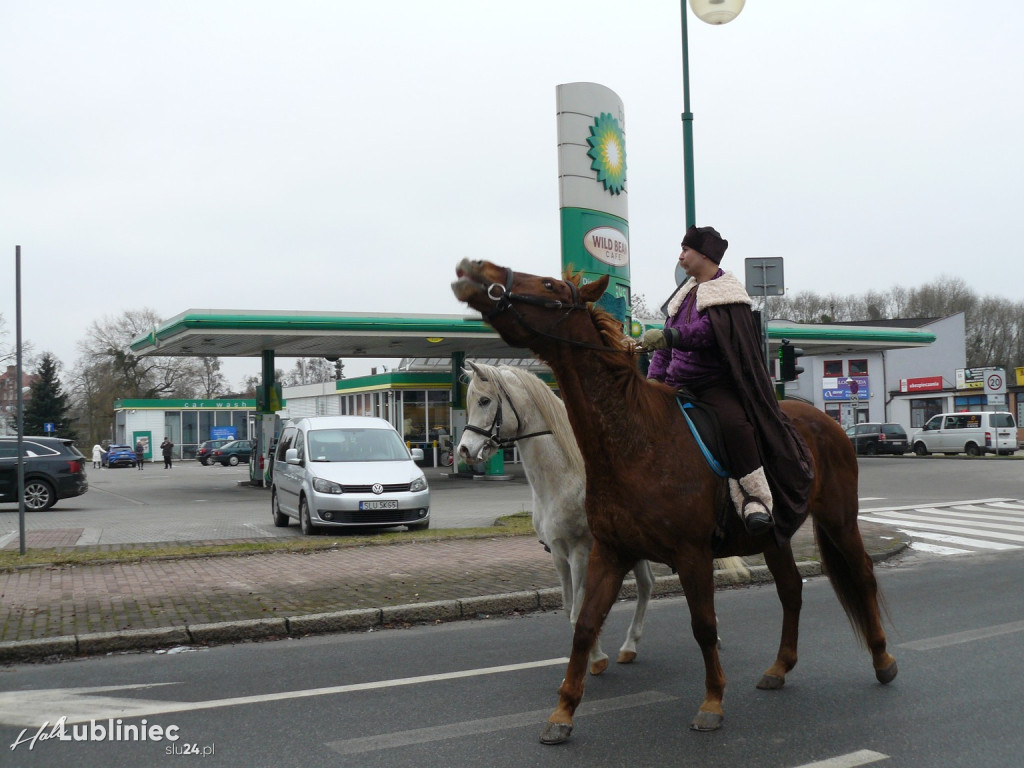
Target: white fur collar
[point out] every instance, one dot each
(725, 289)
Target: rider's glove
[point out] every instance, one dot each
(653, 339)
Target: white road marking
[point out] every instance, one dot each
(918, 506)
(488, 725)
(958, 638)
(1007, 505)
(917, 521)
(935, 549)
(945, 538)
(863, 757)
(33, 708)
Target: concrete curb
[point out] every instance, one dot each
(359, 620)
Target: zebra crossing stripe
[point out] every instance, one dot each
(992, 530)
(1008, 505)
(947, 539)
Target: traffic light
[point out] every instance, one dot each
(788, 369)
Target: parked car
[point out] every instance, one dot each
(232, 454)
(872, 438)
(120, 456)
(345, 471)
(207, 448)
(54, 469)
(970, 432)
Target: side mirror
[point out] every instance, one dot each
(417, 454)
(291, 456)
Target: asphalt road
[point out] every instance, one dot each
(445, 695)
(193, 503)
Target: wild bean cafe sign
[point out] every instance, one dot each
(607, 245)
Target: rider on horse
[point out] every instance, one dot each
(710, 346)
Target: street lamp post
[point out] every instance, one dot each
(712, 12)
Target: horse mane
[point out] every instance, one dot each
(650, 399)
(550, 408)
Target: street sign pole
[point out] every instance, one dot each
(764, 277)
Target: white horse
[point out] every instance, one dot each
(507, 405)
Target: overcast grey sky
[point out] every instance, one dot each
(343, 156)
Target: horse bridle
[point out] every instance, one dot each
(502, 296)
(492, 434)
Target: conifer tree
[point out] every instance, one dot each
(47, 402)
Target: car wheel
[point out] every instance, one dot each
(871, 449)
(920, 449)
(233, 461)
(280, 518)
(308, 529)
(39, 496)
(972, 450)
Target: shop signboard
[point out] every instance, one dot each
(973, 378)
(839, 388)
(922, 384)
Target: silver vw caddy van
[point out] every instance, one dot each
(347, 471)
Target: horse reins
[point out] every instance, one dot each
(503, 302)
(493, 433)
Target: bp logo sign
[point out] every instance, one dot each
(608, 152)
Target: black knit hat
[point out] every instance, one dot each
(707, 241)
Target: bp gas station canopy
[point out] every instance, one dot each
(339, 335)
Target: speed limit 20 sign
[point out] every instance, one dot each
(995, 383)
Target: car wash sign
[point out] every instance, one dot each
(592, 189)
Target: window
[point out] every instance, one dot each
(858, 367)
(286, 442)
(923, 409)
(833, 369)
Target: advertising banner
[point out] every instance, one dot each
(839, 388)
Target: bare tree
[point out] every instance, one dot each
(309, 370)
(212, 381)
(107, 344)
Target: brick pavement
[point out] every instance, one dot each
(40, 603)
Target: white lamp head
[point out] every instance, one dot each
(716, 11)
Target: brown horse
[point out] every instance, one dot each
(636, 446)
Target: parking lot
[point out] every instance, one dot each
(191, 502)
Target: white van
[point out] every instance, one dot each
(347, 471)
(973, 433)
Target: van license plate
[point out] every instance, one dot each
(389, 504)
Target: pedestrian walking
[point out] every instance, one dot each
(165, 447)
(97, 456)
(140, 454)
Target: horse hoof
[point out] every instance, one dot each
(888, 674)
(707, 721)
(771, 682)
(599, 666)
(556, 733)
(626, 657)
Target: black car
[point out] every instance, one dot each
(232, 454)
(207, 448)
(54, 469)
(873, 438)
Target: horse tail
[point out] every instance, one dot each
(846, 568)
